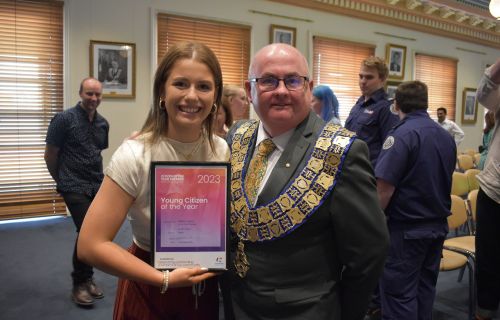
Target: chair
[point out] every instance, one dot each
(450, 261)
(471, 178)
(477, 158)
(459, 184)
(465, 162)
(464, 245)
(458, 217)
(470, 152)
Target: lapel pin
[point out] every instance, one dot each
(287, 165)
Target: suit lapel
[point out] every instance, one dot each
(288, 165)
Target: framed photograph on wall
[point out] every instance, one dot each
(469, 106)
(282, 34)
(395, 57)
(390, 88)
(113, 63)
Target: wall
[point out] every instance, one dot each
(133, 21)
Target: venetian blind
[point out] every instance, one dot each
(440, 75)
(336, 64)
(31, 92)
(230, 42)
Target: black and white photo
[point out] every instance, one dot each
(113, 64)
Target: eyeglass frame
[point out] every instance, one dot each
(256, 81)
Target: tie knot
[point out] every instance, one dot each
(265, 147)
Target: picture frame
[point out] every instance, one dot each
(395, 56)
(283, 34)
(113, 64)
(390, 88)
(469, 106)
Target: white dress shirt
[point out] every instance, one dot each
(453, 129)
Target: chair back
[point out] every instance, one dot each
(477, 159)
(472, 201)
(470, 152)
(458, 215)
(459, 184)
(465, 162)
(471, 178)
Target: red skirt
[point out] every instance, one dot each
(138, 301)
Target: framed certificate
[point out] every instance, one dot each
(189, 214)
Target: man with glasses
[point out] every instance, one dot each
(309, 237)
(75, 139)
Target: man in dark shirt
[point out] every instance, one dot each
(414, 173)
(371, 117)
(75, 139)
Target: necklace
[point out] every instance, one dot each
(188, 156)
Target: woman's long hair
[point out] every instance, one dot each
(489, 118)
(156, 123)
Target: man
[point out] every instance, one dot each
(450, 126)
(395, 61)
(311, 239)
(488, 204)
(414, 173)
(75, 139)
(371, 117)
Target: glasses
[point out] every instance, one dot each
(271, 83)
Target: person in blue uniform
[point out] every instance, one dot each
(413, 174)
(371, 117)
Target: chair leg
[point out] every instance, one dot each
(461, 274)
(472, 289)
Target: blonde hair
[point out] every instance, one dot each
(377, 63)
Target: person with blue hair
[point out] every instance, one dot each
(325, 104)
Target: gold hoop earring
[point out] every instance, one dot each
(214, 109)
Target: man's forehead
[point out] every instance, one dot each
(278, 55)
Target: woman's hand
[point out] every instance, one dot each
(184, 277)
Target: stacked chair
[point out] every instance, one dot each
(460, 252)
(465, 162)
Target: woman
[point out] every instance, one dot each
(236, 99)
(179, 127)
(223, 120)
(325, 104)
(489, 118)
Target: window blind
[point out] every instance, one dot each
(230, 42)
(31, 92)
(440, 75)
(336, 64)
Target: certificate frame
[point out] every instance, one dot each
(190, 215)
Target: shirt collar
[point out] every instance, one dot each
(280, 141)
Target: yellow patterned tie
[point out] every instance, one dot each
(257, 169)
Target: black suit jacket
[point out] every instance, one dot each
(328, 267)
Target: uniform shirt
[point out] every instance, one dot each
(372, 120)
(453, 129)
(80, 143)
(418, 159)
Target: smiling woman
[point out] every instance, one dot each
(179, 127)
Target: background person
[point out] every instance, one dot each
(371, 117)
(114, 72)
(186, 90)
(325, 104)
(318, 250)
(488, 204)
(413, 173)
(223, 120)
(75, 139)
(489, 119)
(236, 98)
(450, 126)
